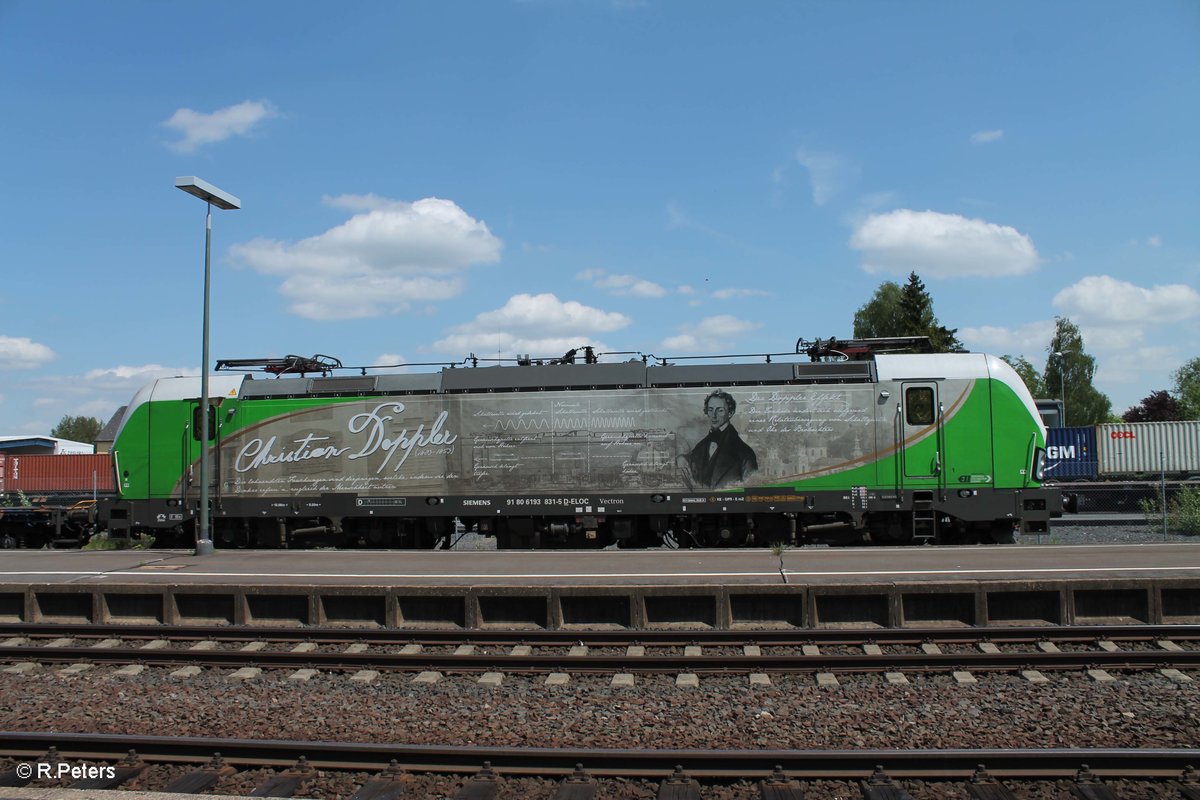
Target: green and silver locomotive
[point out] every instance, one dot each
(895, 449)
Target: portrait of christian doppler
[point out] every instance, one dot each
(721, 458)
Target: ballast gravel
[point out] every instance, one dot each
(1143, 709)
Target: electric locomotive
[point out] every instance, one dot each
(892, 448)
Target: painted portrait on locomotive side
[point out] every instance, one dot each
(721, 458)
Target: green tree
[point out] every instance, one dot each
(917, 312)
(77, 429)
(1187, 389)
(904, 311)
(1070, 370)
(881, 315)
(1029, 374)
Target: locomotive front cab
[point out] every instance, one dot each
(156, 453)
(969, 448)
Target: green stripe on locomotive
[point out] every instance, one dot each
(157, 452)
(988, 440)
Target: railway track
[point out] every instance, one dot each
(1168, 648)
(200, 763)
(380, 769)
(657, 637)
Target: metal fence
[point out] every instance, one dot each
(1171, 506)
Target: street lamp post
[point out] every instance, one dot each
(212, 196)
(1062, 386)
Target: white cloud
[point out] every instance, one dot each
(625, 285)
(630, 285)
(357, 202)
(1028, 340)
(1128, 367)
(986, 137)
(200, 129)
(131, 378)
(711, 334)
(1126, 328)
(326, 298)
(382, 260)
(98, 392)
(729, 294)
(428, 236)
(1139, 367)
(684, 342)
(389, 364)
(1103, 300)
(20, 352)
(1154, 241)
(941, 245)
(120, 381)
(828, 173)
(541, 325)
(99, 407)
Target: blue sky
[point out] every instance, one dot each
(421, 181)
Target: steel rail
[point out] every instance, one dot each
(653, 636)
(507, 662)
(813, 764)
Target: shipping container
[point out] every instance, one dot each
(74, 474)
(1149, 447)
(1071, 454)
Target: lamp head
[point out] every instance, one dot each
(208, 193)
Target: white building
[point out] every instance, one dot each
(42, 446)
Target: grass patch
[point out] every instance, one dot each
(102, 541)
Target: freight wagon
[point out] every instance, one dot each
(51, 499)
(1124, 449)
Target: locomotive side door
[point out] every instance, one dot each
(922, 446)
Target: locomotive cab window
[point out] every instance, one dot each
(918, 405)
(212, 422)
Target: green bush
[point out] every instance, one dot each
(1183, 512)
(15, 500)
(102, 541)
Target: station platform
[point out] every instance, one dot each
(804, 587)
